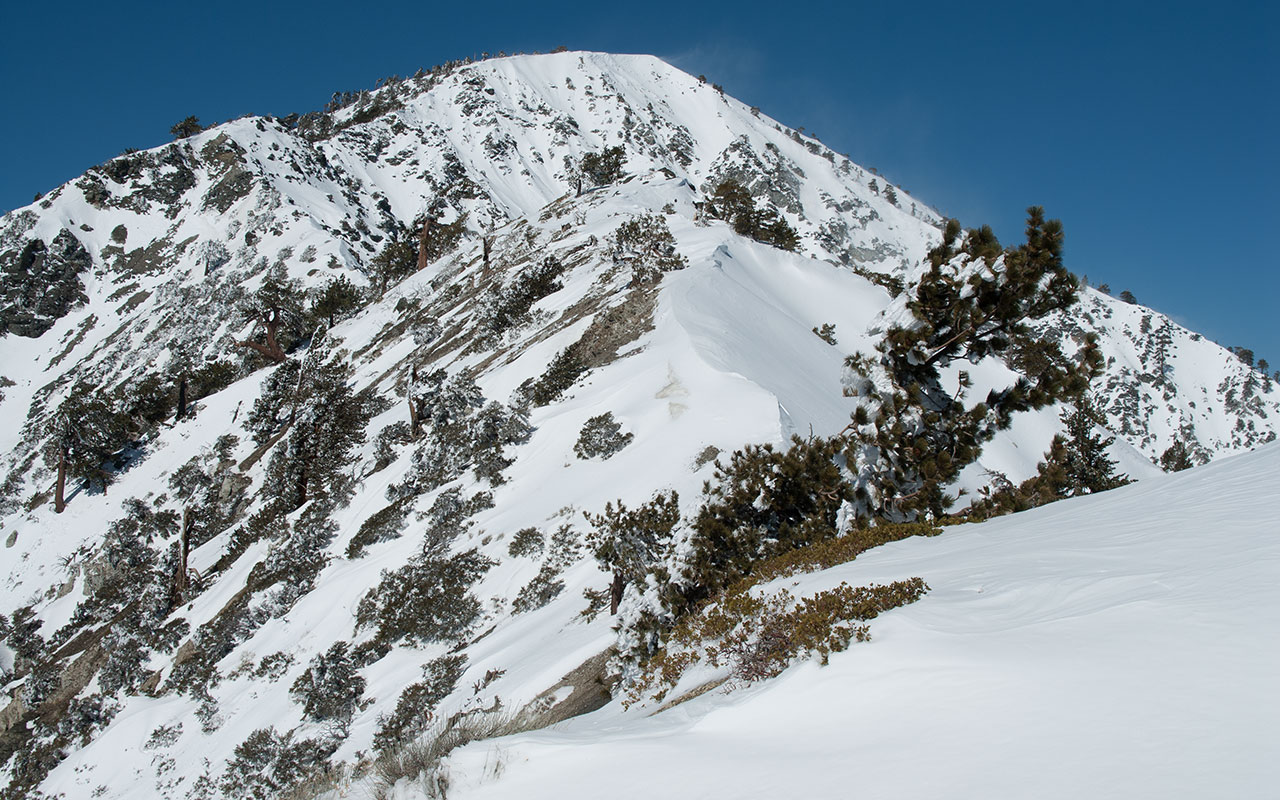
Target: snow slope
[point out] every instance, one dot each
(1113, 646)
(726, 357)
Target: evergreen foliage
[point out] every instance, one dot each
(274, 407)
(415, 709)
(457, 437)
(911, 434)
(277, 307)
(526, 542)
(381, 526)
(732, 202)
(1076, 464)
(545, 587)
(630, 542)
(327, 420)
(1176, 457)
(330, 689)
(603, 167)
(1086, 466)
(826, 333)
(563, 371)
(601, 436)
(427, 600)
(646, 243)
(506, 307)
(408, 245)
(267, 764)
(763, 503)
(338, 298)
(80, 436)
(186, 128)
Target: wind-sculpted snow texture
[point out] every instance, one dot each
(1106, 646)
(144, 261)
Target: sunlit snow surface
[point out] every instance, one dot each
(1122, 645)
(965, 682)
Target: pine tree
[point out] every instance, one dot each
(277, 307)
(603, 167)
(763, 502)
(1085, 463)
(629, 543)
(732, 202)
(276, 405)
(328, 421)
(911, 435)
(331, 687)
(1176, 457)
(397, 259)
(82, 434)
(338, 297)
(187, 127)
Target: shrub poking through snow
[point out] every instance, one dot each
(527, 542)
(415, 710)
(545, 587)
(630, 543)
(381, 526)
(330, 689)
(267, 764)
(603, 167)
(733, 202)
(758, 636)
(503, 308)
(426, 600)
(646, 243)
(601, 436)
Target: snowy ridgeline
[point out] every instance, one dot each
(555, 365)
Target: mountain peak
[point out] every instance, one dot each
(484, 308)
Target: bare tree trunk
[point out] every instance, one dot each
(180, 584)
(413, 406)
(423, 239)
(615, 593)
(182, 399)
(271, 349)
(302, 486)
(59, 500)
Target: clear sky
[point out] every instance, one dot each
(1150, 129)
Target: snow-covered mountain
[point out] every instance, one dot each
(134, 274)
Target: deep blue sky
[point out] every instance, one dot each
(1150, 129)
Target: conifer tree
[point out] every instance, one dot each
(277, 307)
(338, 297)
(763, 502)
(1176, 457)
(328, 421)
(411, 247)
(630, 542)
(331, 687)
(911, 435)
(603, 167)
(82, 433)
(1085, 464)
(186, 128)
(733, 202)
